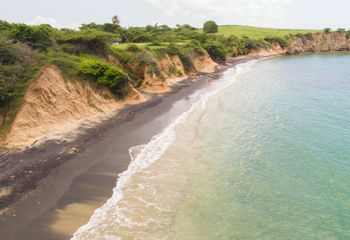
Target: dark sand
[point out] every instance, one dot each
(68, 186)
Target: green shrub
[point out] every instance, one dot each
(89, 41)
(238, 48)
(104, 74)
(251, 44)
(155, 43)
(279, 40)
(159, 53)
(106, 27)
(18, 65)
(184, 27)
(216, 51)
(122, 56)
(186, 61)
(196, 47)
(38, 37)
(172, 49)
(139, 35)
(147, 59)
(174, 71)
(155, 69)
(183, 54)
(69, 64)
(5, 28)
(72, 49)
(134, 48)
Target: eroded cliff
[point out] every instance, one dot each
(319, 42)
(159, 75)
(54, 106)
(308, 43)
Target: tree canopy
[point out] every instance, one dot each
(210, 27)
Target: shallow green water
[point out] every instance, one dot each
(278, 145)
(267, 157)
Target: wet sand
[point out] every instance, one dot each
(75, 184)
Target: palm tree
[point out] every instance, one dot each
(116, 20)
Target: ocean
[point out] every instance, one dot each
(261, 153)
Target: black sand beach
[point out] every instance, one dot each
(62, 183)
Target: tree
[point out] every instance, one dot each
(89, 26)
(184, 27)
(210, 27)
(109, 27)
(341, 29)
(38, 37)
(116, 20)
(327, 30)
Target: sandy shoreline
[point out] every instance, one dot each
(70, 185)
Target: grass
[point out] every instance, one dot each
(259, 33)
(125, 46)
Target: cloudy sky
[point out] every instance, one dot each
(266, 13)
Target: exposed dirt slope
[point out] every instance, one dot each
(274, 50)
(54, 106)
(169, 71)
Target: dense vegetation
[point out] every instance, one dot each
(18, 64)
(103, 53)
(25, 50)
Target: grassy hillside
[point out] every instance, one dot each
(260, 33)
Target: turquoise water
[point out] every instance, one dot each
(266, 155)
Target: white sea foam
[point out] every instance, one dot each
(142, 157)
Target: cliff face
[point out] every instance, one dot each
(319, 42)
(53, 106)
(203, 63)
(274, 50)
(158, 76)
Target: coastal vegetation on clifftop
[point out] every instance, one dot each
(108, 55)
(259, 32)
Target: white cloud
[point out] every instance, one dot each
(257, 12)
(52, 22)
